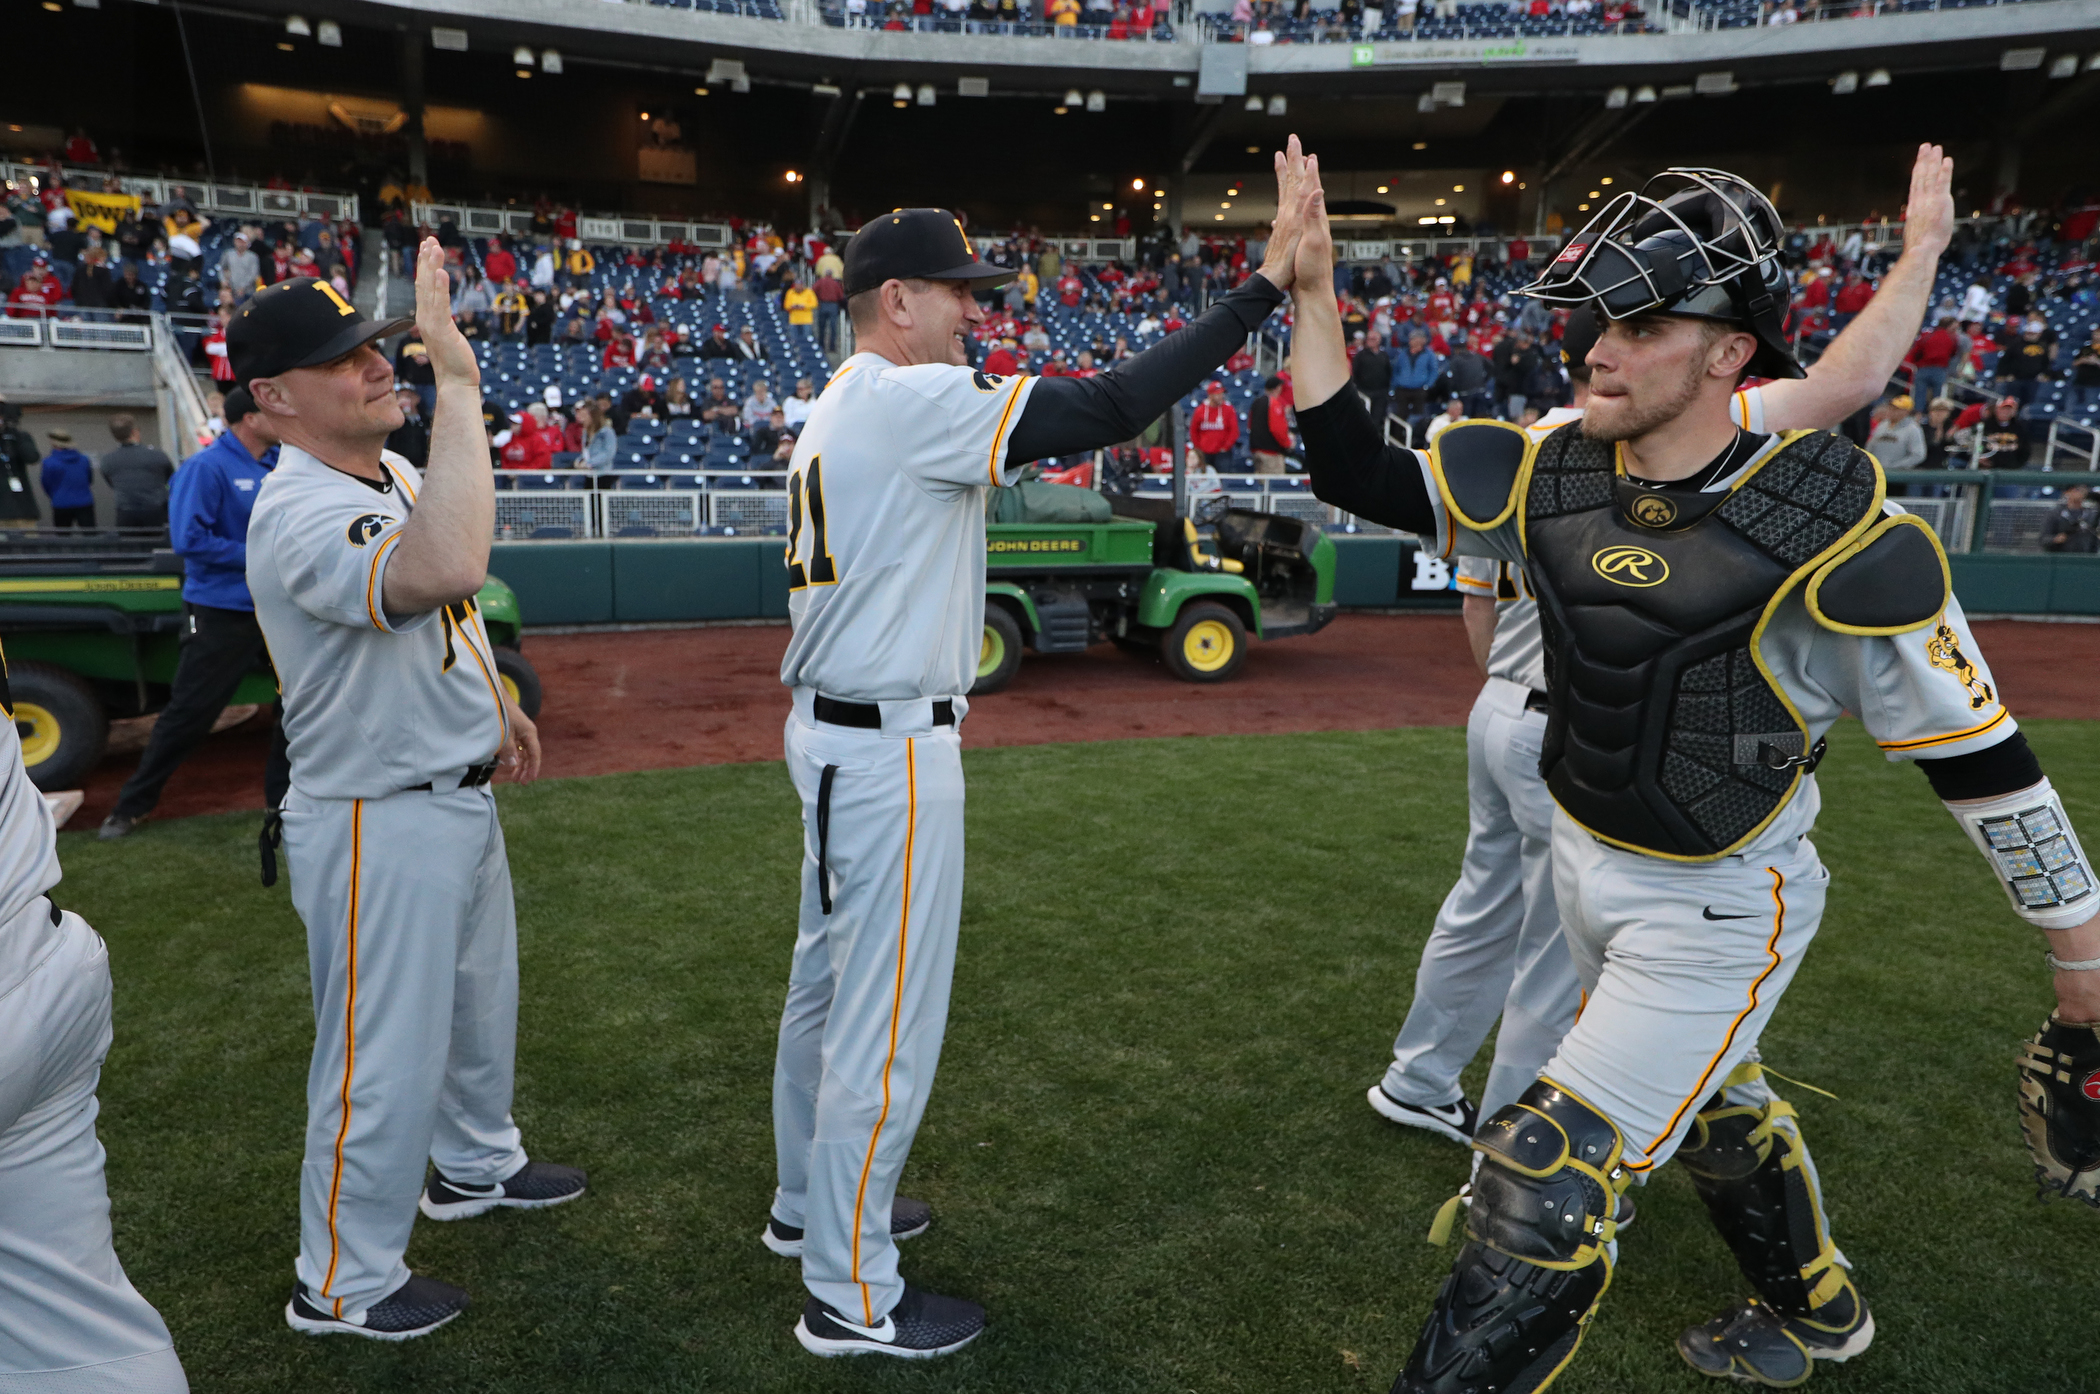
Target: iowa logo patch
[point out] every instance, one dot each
(987, 382)
(1653, 511)
(367, 528)
(1626, 565)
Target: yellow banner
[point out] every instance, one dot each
(100, 210)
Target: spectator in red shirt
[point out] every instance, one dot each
(1001, 362)
(1930, 358)
(1214, 427)
(80, 150)
(620, 352)
(1816, 294)
(1519, 254)
(1069, 290)
(1852, 297)
(531, 445)
(501, 265)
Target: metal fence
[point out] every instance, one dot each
(207, 196)
(626, 229)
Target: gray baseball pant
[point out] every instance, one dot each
(70, 1321)
(867, 1000)
(1677, 997)
(1496, 948)
(412, 944)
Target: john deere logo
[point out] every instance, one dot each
(1654, 511)
(1630, 566)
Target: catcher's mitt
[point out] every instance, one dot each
(2060, 1109)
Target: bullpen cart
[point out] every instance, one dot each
(1192, 589)
(92, 625)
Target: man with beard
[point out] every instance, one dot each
(1711, 600)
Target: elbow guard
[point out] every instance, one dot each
(2028, 840)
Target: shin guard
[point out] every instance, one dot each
(1753, 1176)
(1538, 1251)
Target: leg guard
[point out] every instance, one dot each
(1754, 1176)
(1538, 1252)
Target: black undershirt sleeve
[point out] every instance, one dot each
(1357, 472)
(1065, 415)
(2005, 768)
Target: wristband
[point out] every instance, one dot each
(2083, 965)
(2028, 840)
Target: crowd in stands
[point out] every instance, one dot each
(57, 263)
(1262, 22)
(1092, 19)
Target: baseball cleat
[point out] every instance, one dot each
(921, 1326)
(908, 1220)
(536, 1186)
(1454, 1121)
(116, 826)
(1756, 1345)
(416, 1308)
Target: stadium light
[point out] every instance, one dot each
(1605, 181)
(1878, 78)
(521, 57)
(1426, 222)
(297, 27)
(550, 61)
(1844, 84)
(1253, 102)
(1447, 220)
(1097, 100)
(1421, 145)
(926, 94)
(1644, 94)
(2064, 65)
(1509, 176)
(1108, 208)
(1440, 202)
(1615, 99)
(1382, 188)
(1278, 106)
(902, 93)
(794, 177)
(1458, 188)
(1072, 98)
(327, 33)
(1137, 185)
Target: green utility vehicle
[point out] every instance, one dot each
(1192, 589)
(92, 627)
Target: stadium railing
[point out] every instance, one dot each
(628, 229)
(209, 197)
(1705, 15)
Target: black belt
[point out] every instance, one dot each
(1537, 701)
(868, 717)
(475, 777)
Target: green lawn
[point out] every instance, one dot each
(1182, 963)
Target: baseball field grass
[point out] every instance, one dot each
(1182, 963)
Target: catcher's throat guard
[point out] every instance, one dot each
(1696, 242)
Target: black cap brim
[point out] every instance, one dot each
(354, 338)
(981, 275)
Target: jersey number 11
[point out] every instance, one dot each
(821, 570)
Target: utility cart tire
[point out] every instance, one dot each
(1000, 657)
(61, 722)
(520, 680)
(1206, 644)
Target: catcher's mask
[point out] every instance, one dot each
(1696, 242)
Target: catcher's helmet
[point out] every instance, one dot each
(1707, 248)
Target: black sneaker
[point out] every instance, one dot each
(416, 1308)
(537, 1186)
(1756, 1345)
(921, 1326)
(908, 1220)
(1454, 1121)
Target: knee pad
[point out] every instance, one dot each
(1752, 1175)
(1538, 1250)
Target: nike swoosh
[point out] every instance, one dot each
(467, 1190)
(885, 1333)
(1708, 912)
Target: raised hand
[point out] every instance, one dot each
(1277, 262)
(1929, 215)
(1315, 266)
(451, 356)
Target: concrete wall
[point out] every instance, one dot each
(90, 428)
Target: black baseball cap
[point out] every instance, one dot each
(1579, 336)
(909, 244)
(300, 323)
(238, 404)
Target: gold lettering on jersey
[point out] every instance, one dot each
(1943, 650)
(1630, 566)
(1653, 511)
(1036, 544)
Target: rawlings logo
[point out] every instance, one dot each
(1574, 252)
(1630, 566)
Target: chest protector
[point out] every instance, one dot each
(1668, 735)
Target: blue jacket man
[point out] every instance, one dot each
(69, 482)
(208, 506)
(1415, 367)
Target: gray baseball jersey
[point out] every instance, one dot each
(70, 1321)
(886, 544)
(373, 702)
